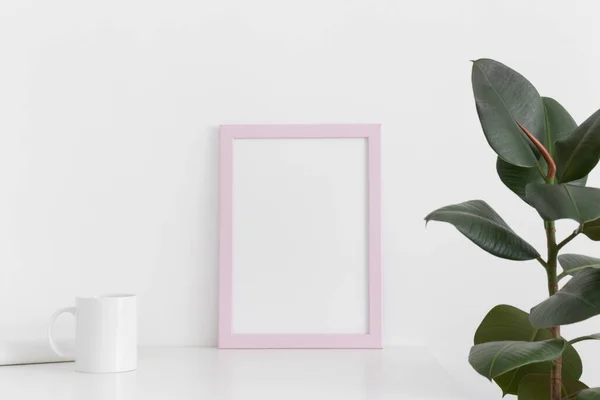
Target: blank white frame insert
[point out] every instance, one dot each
(300, 236)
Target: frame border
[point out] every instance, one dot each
(228, 340)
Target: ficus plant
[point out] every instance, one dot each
(544, 157)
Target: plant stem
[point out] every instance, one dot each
(568, 239)
(556, 371)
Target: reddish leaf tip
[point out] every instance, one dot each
(543, 151)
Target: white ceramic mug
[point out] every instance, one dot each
(105, 333)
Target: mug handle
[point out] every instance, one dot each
(53, 345)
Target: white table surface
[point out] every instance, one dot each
(201, 373)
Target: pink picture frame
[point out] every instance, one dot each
(229, 340)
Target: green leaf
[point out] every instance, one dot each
(496, 358)
(578, 153)
(573, 263)
(505, 322)
(589, 394)
(559, 124)
(517, 178)
(578, 300)
(595, 336)
(502, 96)
(591, 229)
(537, 387)
(555, 202)
(483, 226)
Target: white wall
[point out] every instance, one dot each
(108, 147)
